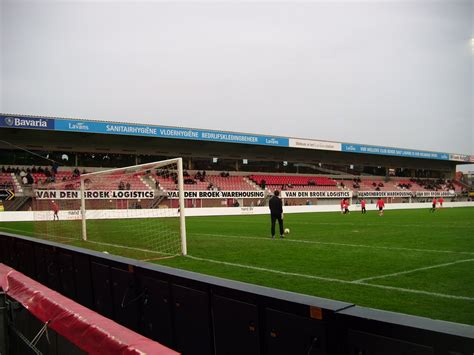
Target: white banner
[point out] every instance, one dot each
(435, 194)
(206, 194)
(385, 194)
(313, 144)
(316, 194)
(94, 194)
(217, 194)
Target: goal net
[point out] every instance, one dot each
(136, 211)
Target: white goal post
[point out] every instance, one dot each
(126, 208)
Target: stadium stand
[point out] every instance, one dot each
(293, 180)
(215, 180)
(8, 181)
(231, 183)
(118, 182)
(165, 183)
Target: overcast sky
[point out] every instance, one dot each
(396, 73)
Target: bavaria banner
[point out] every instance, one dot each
(316, 194)
(94, 194)
(361, 194)
(27, 122)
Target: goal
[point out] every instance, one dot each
(136, 211)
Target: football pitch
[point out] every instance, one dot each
(408, 261)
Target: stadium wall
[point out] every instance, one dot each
(212, 211)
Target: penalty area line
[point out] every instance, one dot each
(328, 279)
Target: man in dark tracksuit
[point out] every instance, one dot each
(276, 211)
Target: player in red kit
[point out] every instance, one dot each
(440, 201)
(433, 205)
(362, 205)
(346, 206)
(55, 209)
(380, 205)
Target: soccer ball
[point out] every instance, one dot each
(287, 230)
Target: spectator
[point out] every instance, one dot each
(127, 186)
(30, 180)
(121, 185)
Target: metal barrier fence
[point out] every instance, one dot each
(198, 314)
(23, 334)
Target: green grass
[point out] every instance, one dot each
(426, 259)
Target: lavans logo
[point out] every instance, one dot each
(79, 126)
(27, 122)
(272, 141)
(350, 148)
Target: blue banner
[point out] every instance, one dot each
(168, 132)
(405, 153)
(26, 122)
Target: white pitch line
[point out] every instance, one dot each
(339, 244)
(286, 273)
(411, 271)
(400, 289)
